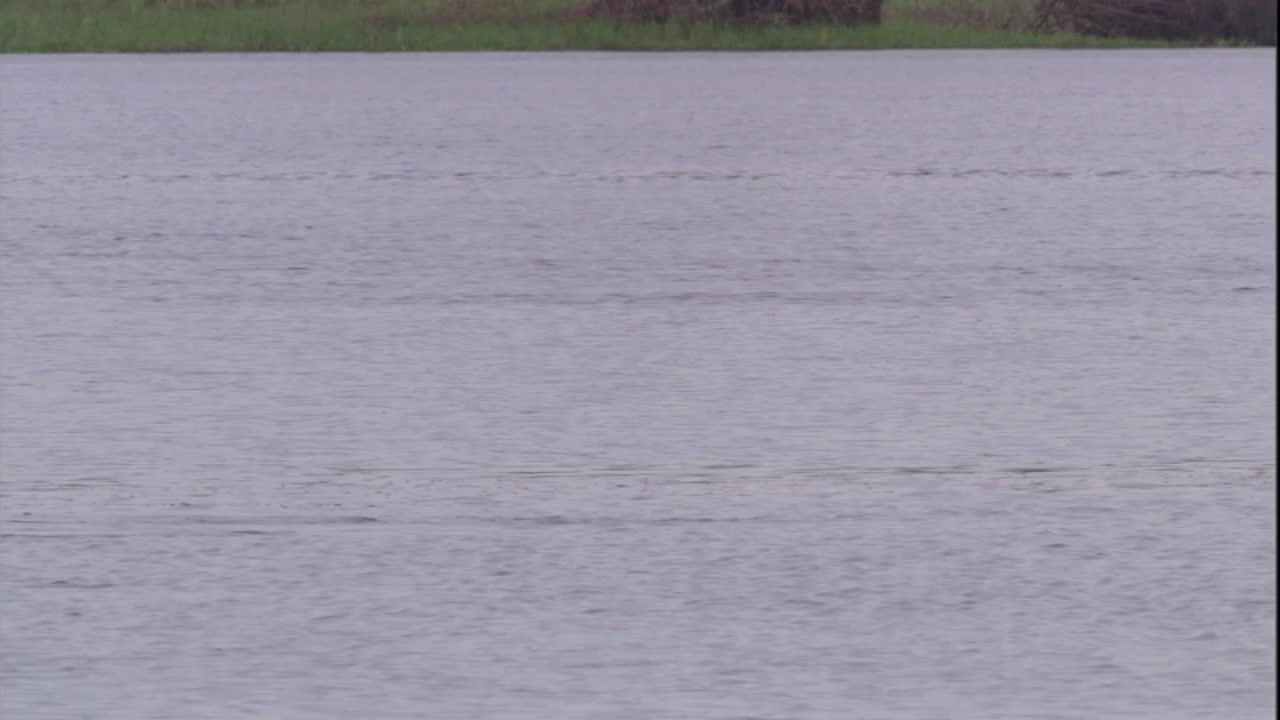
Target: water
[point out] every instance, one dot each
(891, 385)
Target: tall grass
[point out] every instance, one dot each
(390, 25)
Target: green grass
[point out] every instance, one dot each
(396, 25)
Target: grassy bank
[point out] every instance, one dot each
(420, 25)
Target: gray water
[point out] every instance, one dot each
(693, 387)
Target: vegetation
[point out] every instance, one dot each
(1251, 21)
(389, 25)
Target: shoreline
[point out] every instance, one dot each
(384, 26)
(558, 37)
(110, 26)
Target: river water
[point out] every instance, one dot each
(844, 386)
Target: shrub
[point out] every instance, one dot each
(1246, 20)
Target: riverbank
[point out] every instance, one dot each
(54, 26)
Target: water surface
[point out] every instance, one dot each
(826, 385)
